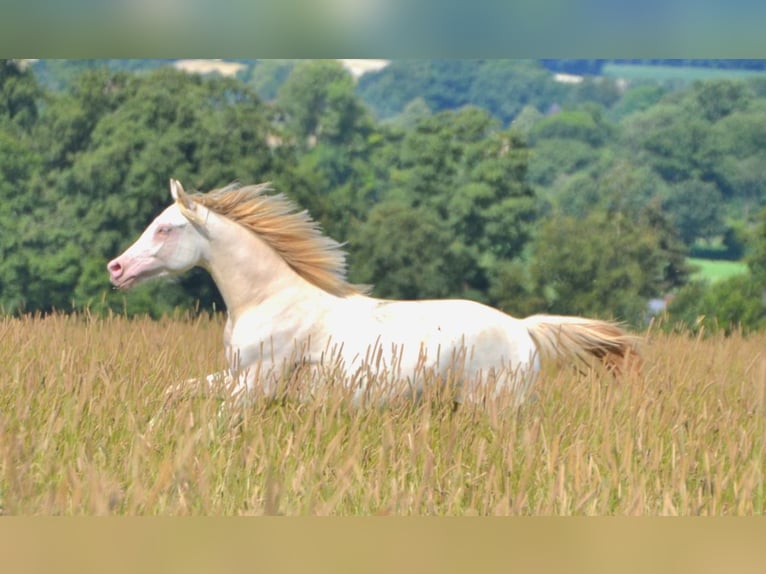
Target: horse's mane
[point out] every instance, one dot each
(289, 231)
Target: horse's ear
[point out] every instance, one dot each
(179, 196)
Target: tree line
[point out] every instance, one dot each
(563, 202)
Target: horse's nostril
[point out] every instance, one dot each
(114, 266)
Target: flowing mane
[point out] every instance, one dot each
(291, 232)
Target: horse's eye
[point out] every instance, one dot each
(164, 230)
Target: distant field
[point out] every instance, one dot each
(86, 427)
(714, 270)
(672, 73)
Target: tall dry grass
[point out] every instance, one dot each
(86, 427)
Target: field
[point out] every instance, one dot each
(716, 270)
(86, 427)
(687, 74)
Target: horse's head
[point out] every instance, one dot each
(172, 244)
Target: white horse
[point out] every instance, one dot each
(289, 304)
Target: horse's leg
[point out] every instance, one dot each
(211, 384)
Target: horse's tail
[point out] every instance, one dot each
(561, 337)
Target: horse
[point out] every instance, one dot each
(289, 304)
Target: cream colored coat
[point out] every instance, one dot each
(278, 319)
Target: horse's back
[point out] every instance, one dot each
(443, 329)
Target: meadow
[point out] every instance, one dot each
(87, 427)
(717, 270)
(687, 74)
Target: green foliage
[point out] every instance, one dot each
(441, 84)
(735, 154)
(578, 208)
(58, 75)
(604, 264)
(116, 139)
(552, 160)
(637, 99)
(526, 119)
(19, 164)
(674, 141)
(267, 76)
(706, 143)
(731, 304)
(568, 143)
(319, 103)
(756, 258)
(717, 100)
(413, 112)
(736, 302)
(502, 87)
(19, 95)
(602, 90)
(696, 209)
(623, 186)
(402, 249)
(465, 179)
(332, 138)
(585, 125)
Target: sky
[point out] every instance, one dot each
(382, 28)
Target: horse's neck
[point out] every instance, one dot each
(248, 272)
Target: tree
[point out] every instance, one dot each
(756, 258)
(319, 103)
(587, 124)
(604, 264)
(526, 119)
(401, 251)
(719, 98)
(730, 304)
(566, 148)
(19, 94)
(502, 87)
(601, 90)
(328, 139)
(553, 161)
(18, 165)
(672, 139)
(442, 84)
(735, 154)
(505, 87)
(466, 179)
(267, 76)
(413, 112)
(695, 209)
(121, 138)
(636, 99)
